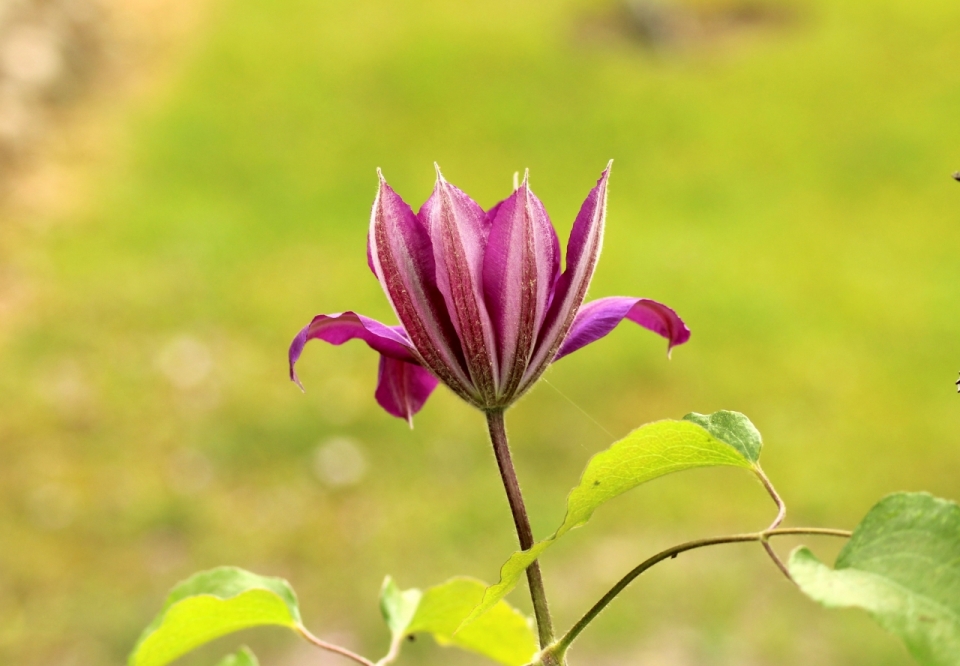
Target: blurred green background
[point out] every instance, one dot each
(781, 180)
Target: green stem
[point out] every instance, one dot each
(501, 449)
(559, 649)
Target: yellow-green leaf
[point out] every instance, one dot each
(503, 634)
(212, 604)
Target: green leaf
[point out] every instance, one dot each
(211, 604)
(647, 453)
(902, 565)
(242, 657)
(733, 428)
(398, 607)
(503, 634)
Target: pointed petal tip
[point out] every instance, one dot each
(597, 318)
(605, 174)
(383, 181)
(681, 338)
(403, 388)
(440, 178)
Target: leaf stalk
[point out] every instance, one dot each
(781, 514)
(330, 647)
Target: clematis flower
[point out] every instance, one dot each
(482, 303)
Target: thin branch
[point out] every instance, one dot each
(501, 449)
(561, 646)
(803, 531)
(336, 649)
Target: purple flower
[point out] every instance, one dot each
(482, 304)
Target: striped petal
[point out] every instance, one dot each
(599, 317)
(402, 257)
(520, 266)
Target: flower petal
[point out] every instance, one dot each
(583, 251)
(402, 257)
(458, 232)
(403, 388)
(339, 328)
(520, 266)
(599, 317)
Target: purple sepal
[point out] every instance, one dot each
(402, 255)
(599, 317)
(403, 388)
(521, 264)
(583, 251)
(339, 328)
(482, 305)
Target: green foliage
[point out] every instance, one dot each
(902, 565)
(242, 657)
(211, 604)
(504, 634)
(647, 453)
(398, 607)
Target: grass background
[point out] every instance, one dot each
(784, 185)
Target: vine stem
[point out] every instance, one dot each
(501, 449)
(336, 649)
(560, 647)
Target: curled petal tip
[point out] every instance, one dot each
(296, 380)
(380, 176)
(597, 318)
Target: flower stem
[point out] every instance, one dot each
(501, 449)
(559, 649)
